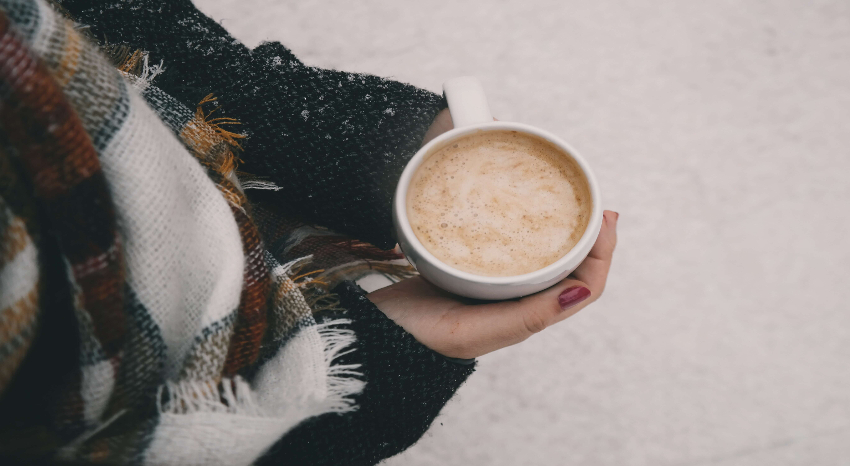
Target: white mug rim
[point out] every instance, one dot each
(537, 276)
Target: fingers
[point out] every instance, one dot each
(537, 312)
(462, 328)
(442, 123)
(497, 325)
(581, 288)
(594, 269)
(607, 240)
(483, 328)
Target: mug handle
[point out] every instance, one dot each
(467, 102)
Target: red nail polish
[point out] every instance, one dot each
(572, 296)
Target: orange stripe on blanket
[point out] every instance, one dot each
(17, 322)
(70, 56)
(14, 239)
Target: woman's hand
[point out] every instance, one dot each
(442, 123)
(463, 328)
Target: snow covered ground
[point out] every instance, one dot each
(719, 131)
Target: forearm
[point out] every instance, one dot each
(334, 142)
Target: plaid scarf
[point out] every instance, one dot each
(195, 344)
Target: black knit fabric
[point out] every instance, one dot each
(406, 386)
(335, 142)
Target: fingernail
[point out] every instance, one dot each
(572, 296)
(616, 215)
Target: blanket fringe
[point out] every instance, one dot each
(231, 396)
(235, 396)
(343, 379)
(260, 184)
(395, 271)
(315, 291)
(217, 124)
(134, 66)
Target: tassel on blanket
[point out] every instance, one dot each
(231, 396)
(236, 396)
(214, 146)
(354, 271)
(367, 251)
(316, 291)
(251, 181)
(135, 66)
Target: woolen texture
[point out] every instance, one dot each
(172, 294)
(183, 339)
(335, 142)
(407, 385)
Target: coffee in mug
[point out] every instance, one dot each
(493, 209)
(499, 203)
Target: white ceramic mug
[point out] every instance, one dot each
(471, 114)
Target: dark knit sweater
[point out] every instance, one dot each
(335, 143)
(406, 386)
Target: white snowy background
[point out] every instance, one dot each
(720, 130)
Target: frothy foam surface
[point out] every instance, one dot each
(499, 203)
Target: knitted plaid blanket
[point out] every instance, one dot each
(123, 222)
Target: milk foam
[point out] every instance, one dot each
(499, 203)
